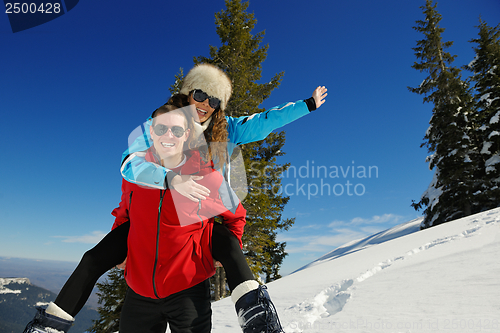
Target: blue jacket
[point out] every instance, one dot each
(240, 130)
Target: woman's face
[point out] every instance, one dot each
(203, 110)
(167, 145)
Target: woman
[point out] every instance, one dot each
(209, 90)
(216, 88)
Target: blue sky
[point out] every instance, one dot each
(73, 89)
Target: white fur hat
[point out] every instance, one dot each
(211, 80)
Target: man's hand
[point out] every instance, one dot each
(122, 265)
(319, 95)
(186, 186)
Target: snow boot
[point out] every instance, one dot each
(47, 323)
(256, 312)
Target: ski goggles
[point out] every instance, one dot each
(161, 129)
(200, 96)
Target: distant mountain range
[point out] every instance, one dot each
(18, 301)
(48, 274)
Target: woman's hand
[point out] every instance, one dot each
(186, 186)
(319, 95)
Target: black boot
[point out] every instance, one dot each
(47, 323)
(256, 312)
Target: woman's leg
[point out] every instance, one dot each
(226, 249)
(256, 311)
(109, 252)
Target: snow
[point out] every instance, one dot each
(486, 148)
(42, 304)
(493, 134)
(9, 291)
(485, 97)
(495, 118)
(8, 281)
(442, 279)
(495, 159)
(378, 238)
(433, 192)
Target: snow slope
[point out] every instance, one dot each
(442, 279)
(378, 238)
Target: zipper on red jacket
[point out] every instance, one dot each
(162, 194)
(198, 213)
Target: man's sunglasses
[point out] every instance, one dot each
(161, 129)
(200, 96)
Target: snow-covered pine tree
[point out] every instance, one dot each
(448, 138)
(241, 57)
(485, 70)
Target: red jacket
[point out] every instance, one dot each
(169, 242)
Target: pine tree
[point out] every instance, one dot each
(264, 205)
(218, 286)
(486, 78)
(176, 87)
(241, 57)
(448, 138)
(111, 297)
